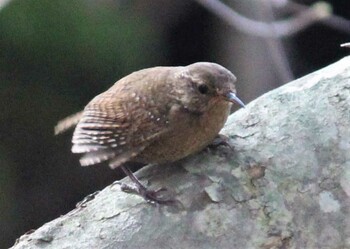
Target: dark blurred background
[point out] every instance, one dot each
(57, 55)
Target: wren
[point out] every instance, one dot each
(156, 115)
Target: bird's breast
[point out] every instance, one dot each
(187, 133)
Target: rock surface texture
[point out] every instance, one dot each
(286, 183)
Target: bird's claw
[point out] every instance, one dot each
(220, 140)
(159, 196)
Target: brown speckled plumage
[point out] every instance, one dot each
(155, 115)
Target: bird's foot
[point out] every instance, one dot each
(220, 140)
(159, 196)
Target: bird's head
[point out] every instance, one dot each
(206, 84)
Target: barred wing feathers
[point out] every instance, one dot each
(116, 129)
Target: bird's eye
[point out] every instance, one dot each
(203, 88)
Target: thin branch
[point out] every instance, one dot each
(276, 29)
(333, 21)
(275, 46)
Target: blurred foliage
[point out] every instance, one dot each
(53, 40)
(54, 57)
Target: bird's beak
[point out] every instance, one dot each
(234, 99)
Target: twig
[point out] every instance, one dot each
(345, 45)
(333, 21)
(275, 29)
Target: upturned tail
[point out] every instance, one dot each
(68, 123)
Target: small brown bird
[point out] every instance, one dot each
(155, 115)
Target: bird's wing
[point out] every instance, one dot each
(116, 129)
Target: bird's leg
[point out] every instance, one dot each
(153, 196)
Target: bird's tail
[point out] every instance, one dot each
(68, 123)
